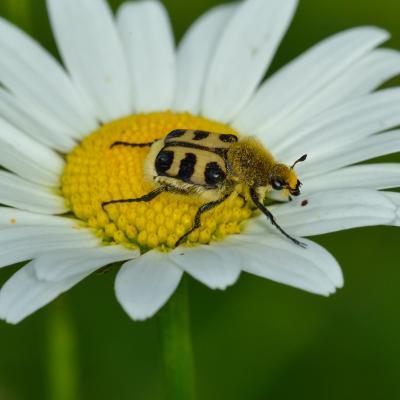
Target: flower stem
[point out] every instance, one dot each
(62, 363)
(177, 346)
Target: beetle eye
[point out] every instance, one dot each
(277, 184)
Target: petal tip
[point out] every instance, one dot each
(381, 34)
(137, 314)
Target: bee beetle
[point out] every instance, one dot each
(212, 165)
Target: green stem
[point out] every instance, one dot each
(177, 346)
(62, 363)
(19, 12)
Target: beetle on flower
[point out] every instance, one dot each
(136, 88)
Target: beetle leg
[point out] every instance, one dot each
(243, 198)
(131, 144)
(200, 211)
(271, 218)
(147, 197)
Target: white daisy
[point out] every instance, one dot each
(321, 104)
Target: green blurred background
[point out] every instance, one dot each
(257, 340)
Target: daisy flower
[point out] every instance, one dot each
(124, 80)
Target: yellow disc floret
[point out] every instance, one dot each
(95, 173)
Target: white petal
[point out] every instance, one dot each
(16, 192)
(332, 211)
(395, 199)
(372, 71)
(369, 176)
(194, 53)
(365, 75)
(148, 41)
(312, 269)
(34, 75)
(342, 126)
(60, 265)
(144, 285)
(28, 158)
(91, 49)
(20, 243)
(209, 264)
(287, 93)
(12, 217)
(371, 147)
(22, 116)
(243, 54)
(41, 232)
(24, 293)
(393, 196)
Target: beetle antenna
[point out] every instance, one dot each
(301, 159)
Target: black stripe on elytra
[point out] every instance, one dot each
(186, 167)
(227, 138)
(176, 133)
(164, 161)
(190, 145)
(200, 135)
(214, 174)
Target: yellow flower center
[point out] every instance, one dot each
(96, 173)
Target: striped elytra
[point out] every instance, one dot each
(187, 166)
(214, 174)
(194, 157)
(200, 139)
(164, 161)
(200, 135)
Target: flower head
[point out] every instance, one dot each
(124, 81)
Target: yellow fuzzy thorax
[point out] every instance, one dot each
(95, 173)
(255, 166)
(251, 162)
